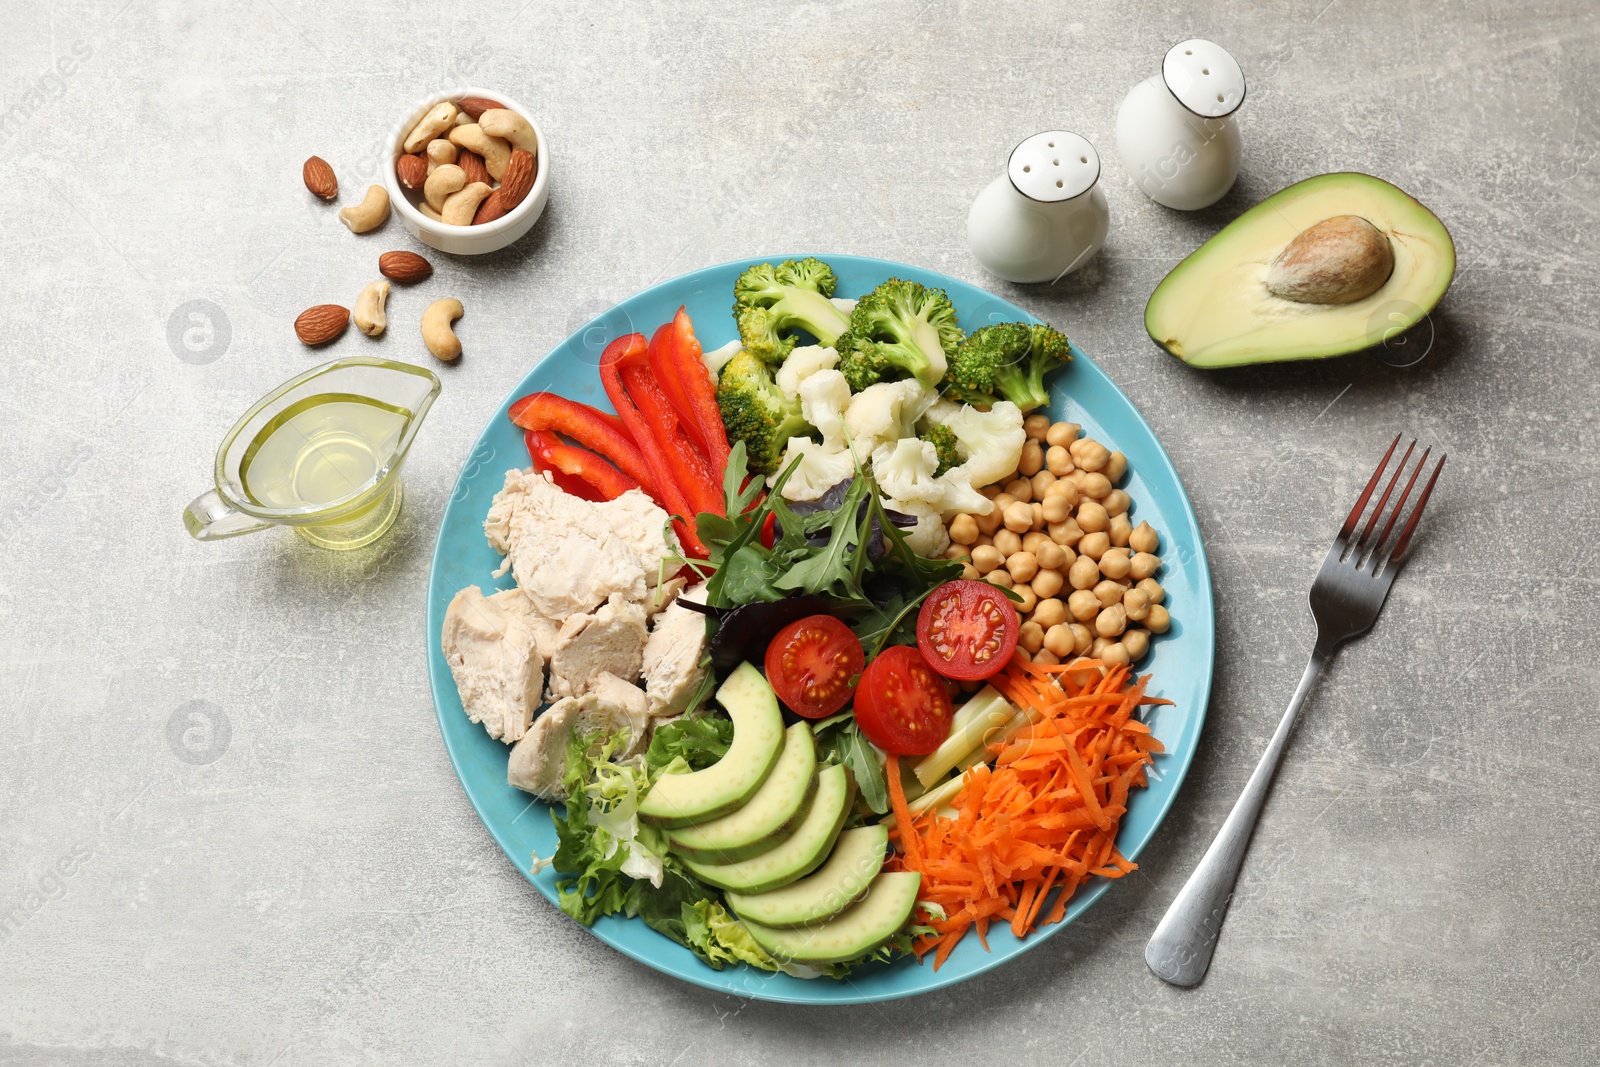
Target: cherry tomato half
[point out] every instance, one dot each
(810, 664)
(967, 629)
(902, 705)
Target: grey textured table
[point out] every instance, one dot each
(309, 885)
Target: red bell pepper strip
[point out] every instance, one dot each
(549, 450)
(674, 358)
(563, 481)
(689, 466)
(591, 427)
(619, 354)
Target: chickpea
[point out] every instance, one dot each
(999, 577)
(1082, 638)
(1097, 486)
(1090, 455)
(964, 530)
(1092, 517)
(1109, 593)
(1044, 655)
(1033, 539)
(1032, 460)
(1116, 466)
(1076, 478)
(1051, 556)
(1036, 426)
(991, 491)
(1048, 583)
(1067, 488)
(1143, 566)
(1055, 509)
(1066, 533)
(983, 539)
(1019, 489)
(1058, 460)
(1137, 642)
(1153, 590)
(1058, 639)
(1008, 542)
(986, 558)
(1026, 658)
(1136, 604)
(1042, 483)
(1094, 545)
(1117, 502)
(1062, 433)
(1018, 517)
(1050, 612)
(1031, 636)
(1038, 515)
(1159, 621)
(969, 572)
(1003, 500)
(1029, 600)
(1083, 605)
(1114, 563)
(1144, 538)
(1115, 655)
(1099, 646)
(1118, 530)
(1022, 565)
(988, 524)
(1084, 573)
(956, 551)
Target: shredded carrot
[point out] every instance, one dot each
(1043, 819)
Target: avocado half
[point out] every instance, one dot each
(1328, 266)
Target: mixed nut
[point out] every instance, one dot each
(471, 161)
(1061, 539)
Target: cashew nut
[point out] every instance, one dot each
(440, 152)
(496, 153)
(498, 122)
(372, 212)
(369, 315)
(431, 125)
(436, 332)
(461, 119)
(446, 179)
(461, 206)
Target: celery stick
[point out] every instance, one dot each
(976, 718)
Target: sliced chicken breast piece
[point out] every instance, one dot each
(610, 639)
(539, 759)
(642, 523)
(494, 659)
(672, 655)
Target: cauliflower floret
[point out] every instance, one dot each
(928, 537)
(887, 411)
(820, 468)
(992, 440)
(802, 364)
(960, 496)
(904, 470)
(824, 396)
(717, 358)
(845, 304)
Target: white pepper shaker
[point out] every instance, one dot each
(1046, 216)
(1175, 130)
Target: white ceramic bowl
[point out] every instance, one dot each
(467, 240)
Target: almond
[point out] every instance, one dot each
(517, 180)
(406, 268)
(492, 208)
(412, 170)
(477, 105)
(473, 164)
(319, 178)
(321, 324)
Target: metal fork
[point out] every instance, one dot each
(1345, 600)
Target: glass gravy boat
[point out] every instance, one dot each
(321, 453)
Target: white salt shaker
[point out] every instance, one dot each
(1045, 216)
(1175, 131)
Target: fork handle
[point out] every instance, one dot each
(1180, 950)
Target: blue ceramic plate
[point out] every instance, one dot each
(1181, 660)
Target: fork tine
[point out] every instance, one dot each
(1384, 499)
(1400, 505)
(1399, 554)
(1366, 494)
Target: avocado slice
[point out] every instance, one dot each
(1330, 265)
(857, 930)
(798, 854)
(681, 799)
(766, 818)
(856, 860)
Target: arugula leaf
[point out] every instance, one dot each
(839, 740)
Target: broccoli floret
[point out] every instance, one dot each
(943, 440)
(771, 302)
(899, 329)
(756, 411)
(1007, 361)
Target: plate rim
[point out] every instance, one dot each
(728, 984)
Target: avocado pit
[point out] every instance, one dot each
(1337, 261)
